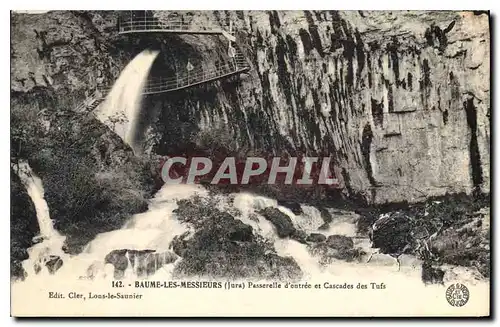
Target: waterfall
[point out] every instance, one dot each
(35, 191)
(144, 241)
(120, 110)
(49, 242)
(149, 235)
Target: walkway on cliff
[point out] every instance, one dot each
(195, 76)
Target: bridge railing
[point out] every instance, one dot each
(160, 84)
(185, 79)
(137, 24)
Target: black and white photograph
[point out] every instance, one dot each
(313, 163)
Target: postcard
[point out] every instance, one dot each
(250, 163)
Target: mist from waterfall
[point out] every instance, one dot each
(121, 108)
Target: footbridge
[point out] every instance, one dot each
(188, 78)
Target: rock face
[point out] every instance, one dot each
(399, 99)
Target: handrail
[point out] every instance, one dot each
(180, 81)
(187, 79)
(172, 25)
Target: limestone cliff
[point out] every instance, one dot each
(400, 99)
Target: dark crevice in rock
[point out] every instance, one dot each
(360, 54)
(390, 96)
(377, 112)
(316, 40)
(313, 31)
(366, 143)
(436, 37)
(410, 81)
(306, 41)
(283, 72)
(425, 83)
(475, 159)
(274, 21)
(393, 48)
(292, 46)
(445, 117)
(369, 63)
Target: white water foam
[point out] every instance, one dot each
(156, 228)
(120, 110)
(49, 240)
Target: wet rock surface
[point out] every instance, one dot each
(316, 238)
(339, 242)
(336, 247)
(143, 262)
(283, 223)
(292, 205)
(325, 214)
(54, 263)
(391, 233)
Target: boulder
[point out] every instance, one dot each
(119, 260)
(37, 267)
(53, 263)
(340, 242)
(292, 205)
(431, 275)
(325, 215)
(336, 247)
(392, 233)
(224, 247)
(238, 231)
(283, 223)
(316, 238)
(299, 236)
(324, 227)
